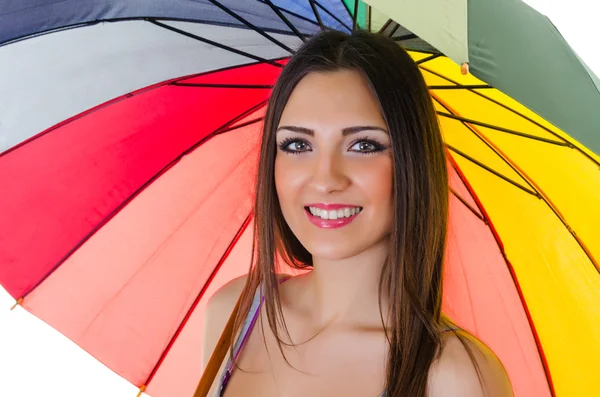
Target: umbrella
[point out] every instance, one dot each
(129, 136)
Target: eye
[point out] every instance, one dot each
(367, 145)
(294, 145)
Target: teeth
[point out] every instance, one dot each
(335, 214)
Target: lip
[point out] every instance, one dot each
(330, 207)
(329, 223)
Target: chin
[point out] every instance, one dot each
(334, 250)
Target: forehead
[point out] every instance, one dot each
(341, 98)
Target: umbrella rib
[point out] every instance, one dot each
(369, 11)
(138, 18)
(227, 126)
(48, 31)
(461, 87)
(394, 30)
(332, 15)
(419, 51)
(214, 43)
(346, 7)
(512, 272)
(539, 192)
(502, 129)
(209, 85)
(285, 20)
(292, 13)
(316, 12)
(427, 59)
(252, 26)
(224, 128)
(466, 204)
(201, 293)
(408, 36)
(571, 145)
(244, 124)
(385, 26)
(489, 169)
(355, 16)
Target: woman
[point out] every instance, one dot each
(352, 183)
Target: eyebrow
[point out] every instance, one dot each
(345, 132)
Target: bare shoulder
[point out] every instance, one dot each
(455, 374)
(218, 310)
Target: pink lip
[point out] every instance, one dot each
(330, 207)
(329, 223)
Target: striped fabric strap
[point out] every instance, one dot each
(245, 332)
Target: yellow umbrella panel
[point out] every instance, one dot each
(537, 191)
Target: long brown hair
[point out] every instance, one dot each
(412, 276)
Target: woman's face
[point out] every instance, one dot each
(334, 166)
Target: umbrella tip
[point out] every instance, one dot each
(17, 303)
(142, 389)
(464, 68)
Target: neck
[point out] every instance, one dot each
(346, 291)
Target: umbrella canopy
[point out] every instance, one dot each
(130, 139)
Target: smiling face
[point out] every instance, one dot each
(334, 166)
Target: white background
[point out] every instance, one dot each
(35, 360)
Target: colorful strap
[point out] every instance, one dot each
(249, 322)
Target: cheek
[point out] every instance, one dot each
(289, 177)
(374, 178)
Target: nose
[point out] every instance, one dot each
(329, 174)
